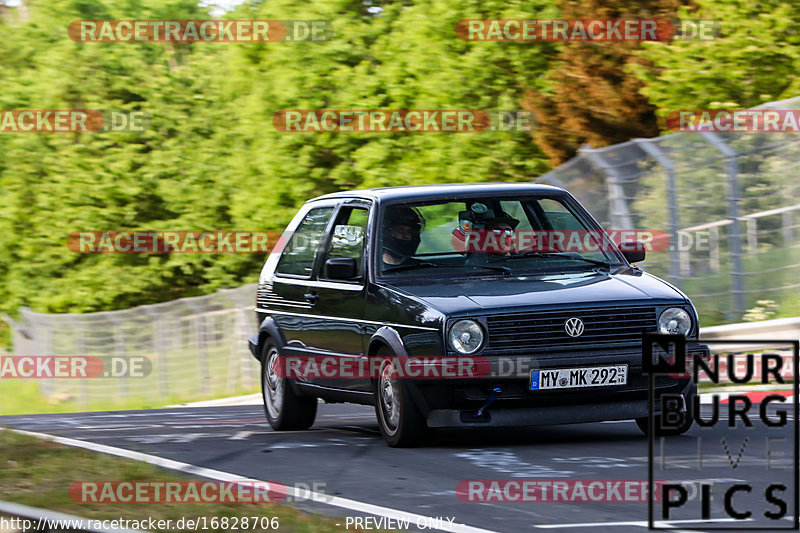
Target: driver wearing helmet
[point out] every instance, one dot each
(401, 235)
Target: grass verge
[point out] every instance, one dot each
(23, 397)
(39, 473)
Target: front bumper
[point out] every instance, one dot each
(547, 415)
(456, 403)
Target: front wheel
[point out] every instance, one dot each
(285, 409)
(671, 430)
(400, 422)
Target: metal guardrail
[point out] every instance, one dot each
(45, 520)
(777, 329)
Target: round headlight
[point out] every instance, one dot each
(466, 336)
(674, 321)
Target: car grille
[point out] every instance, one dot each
(615, 326)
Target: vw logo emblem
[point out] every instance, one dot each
(574, 327)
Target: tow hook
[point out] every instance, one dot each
(489, 401)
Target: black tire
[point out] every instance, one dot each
(285, 410)
(401, 423)
(644, 423)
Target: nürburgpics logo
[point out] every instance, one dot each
(746, 441)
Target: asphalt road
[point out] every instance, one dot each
(343, 455)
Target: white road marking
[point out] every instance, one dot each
(326, 442)
(344, 503)
(506, 462)
(242, 435)
(172, 437)
(118, 428)
(637, 523)
(598, 462)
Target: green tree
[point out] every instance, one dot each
(755, 60)
(591, 97)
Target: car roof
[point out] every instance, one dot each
(411, 192)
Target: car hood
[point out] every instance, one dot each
(503, 294)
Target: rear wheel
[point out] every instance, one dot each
(400, 422)
(285, 409)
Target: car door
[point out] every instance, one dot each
(291, 296)
(341, 302)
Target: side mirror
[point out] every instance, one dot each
(633, 251)
(341, 268)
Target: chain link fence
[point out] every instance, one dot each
(730, 203)
(197, 348)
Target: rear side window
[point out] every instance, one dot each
(301, 250)
(347, 240)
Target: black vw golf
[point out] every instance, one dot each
(481, 305)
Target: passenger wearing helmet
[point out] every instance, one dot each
(401, 235)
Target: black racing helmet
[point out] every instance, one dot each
(402, 216)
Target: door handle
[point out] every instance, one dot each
(311, 297)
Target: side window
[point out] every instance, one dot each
(298, 256)
(349, 234)
(516, 211)
(559, 216)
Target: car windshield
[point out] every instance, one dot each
(490, 235)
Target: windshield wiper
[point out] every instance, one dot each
(410, 266)
(504, 270)
(428, 264)
(518, 255)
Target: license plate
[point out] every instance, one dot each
(575, 378)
